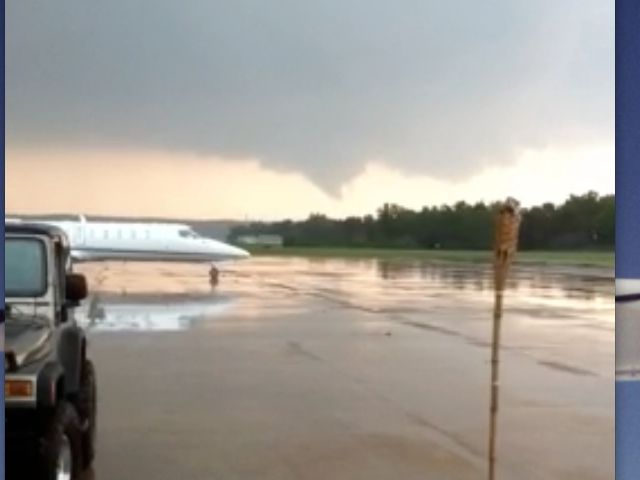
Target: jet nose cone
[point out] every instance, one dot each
(224, 251)
(239, 252)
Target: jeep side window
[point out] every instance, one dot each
(25, 272)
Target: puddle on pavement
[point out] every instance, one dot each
(149, 314)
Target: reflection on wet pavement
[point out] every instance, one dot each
(313, 369)
(149, 314)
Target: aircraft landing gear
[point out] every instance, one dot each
(213, 275)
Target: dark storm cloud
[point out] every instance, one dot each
(438, 88)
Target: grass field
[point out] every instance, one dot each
(569, 258)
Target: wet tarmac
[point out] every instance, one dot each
(349, 369)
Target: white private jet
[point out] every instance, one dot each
(142, 242)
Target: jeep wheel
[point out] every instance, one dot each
(87, 406)
(61, 452)
(63, 468)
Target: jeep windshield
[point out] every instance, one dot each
(25, 270)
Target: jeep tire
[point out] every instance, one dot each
(87, 407)
(61, 451)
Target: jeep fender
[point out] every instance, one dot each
(49, 382)
(70, 353)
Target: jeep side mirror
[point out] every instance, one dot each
(76, 287)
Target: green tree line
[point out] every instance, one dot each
(582, 222)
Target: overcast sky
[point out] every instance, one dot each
(279, 108)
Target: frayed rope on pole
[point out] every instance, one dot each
(505, 245)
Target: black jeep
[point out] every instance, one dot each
(50, 386)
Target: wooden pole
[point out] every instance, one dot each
(505, 245)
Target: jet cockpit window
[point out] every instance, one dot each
(186, 233)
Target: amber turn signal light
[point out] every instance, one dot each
(18, 389)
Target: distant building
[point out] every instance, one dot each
(260, 240)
